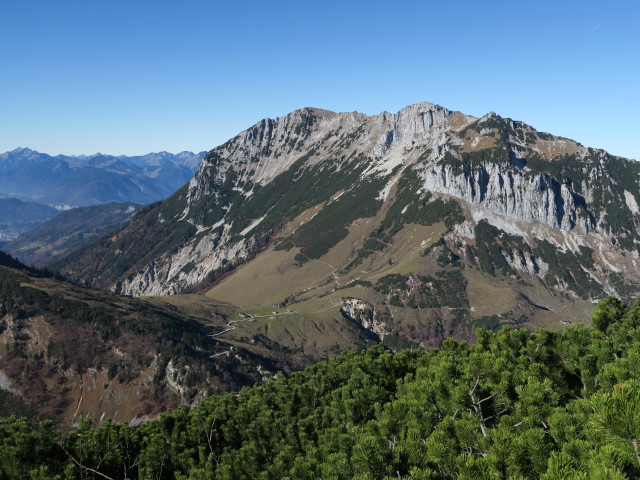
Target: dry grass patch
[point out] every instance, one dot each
(458, 120)
(486, 297)
(404, 255)
(478, 142)
(552, 149)
(270, 278)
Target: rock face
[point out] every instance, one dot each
(521, 197)
(305, 180)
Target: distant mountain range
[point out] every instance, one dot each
(70, 181)
(32, 183)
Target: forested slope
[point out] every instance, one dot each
(553, 405)
(68, 231)
(68, 352)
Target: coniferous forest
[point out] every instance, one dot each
(551, 405)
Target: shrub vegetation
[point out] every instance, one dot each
(552, 405)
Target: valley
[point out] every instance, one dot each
(67, 231)
(68, 352)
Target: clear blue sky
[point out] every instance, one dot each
(134, 76)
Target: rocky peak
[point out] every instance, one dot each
(23, 151)
(20, 153)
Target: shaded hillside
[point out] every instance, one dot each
(550, 405)
(7, 260)
(17, 217)
(70, 352)
(69, 230)
(380, 218)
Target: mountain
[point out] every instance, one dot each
(82, 181)
(68, 352)
(17, 216)
(419, 225)
(67, 231)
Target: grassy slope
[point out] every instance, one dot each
(315, 290)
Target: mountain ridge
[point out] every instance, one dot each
(66, 181)
(554, 221)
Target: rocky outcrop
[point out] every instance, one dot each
(364, 314)
(511, 192)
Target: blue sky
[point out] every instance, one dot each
(130, 77)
